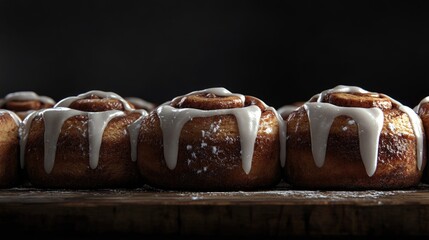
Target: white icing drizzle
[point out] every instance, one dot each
(67, 101)
(25, 96)
(140, 103)
(54, 119)
(172, 121)
(133, 131)
(369, 122)
(97, 122)
(282, 136)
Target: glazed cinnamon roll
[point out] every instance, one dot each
(85, 141)
(25, 102)
(212, 140)
(9, 149)
(349, 138)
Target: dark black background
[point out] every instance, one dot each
(279, 51)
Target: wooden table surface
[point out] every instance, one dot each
(276, 213)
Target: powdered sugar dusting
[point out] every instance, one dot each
(296, 195)
(335, 195)
(280, 195)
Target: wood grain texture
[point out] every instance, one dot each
(278, 213)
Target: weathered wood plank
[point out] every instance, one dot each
(278, 212)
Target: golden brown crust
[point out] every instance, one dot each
(71, 167)
(9, 145)
(343, 167)
(211, 161)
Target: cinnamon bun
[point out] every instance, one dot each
(349, 138)
(25, 102)
(212, 140)
(84, 141)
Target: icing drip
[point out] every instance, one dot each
(369, 122)
(172, 121)
(54, 120)
(67, 101)
(283, 133)
(97, 122)
(26, 96)
(133, 130)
